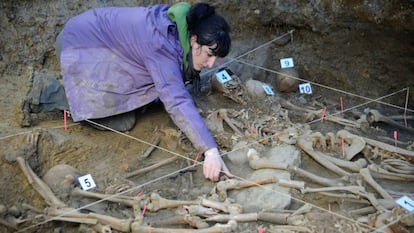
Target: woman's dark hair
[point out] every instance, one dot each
(210, 28)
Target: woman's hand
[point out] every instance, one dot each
(213, 165)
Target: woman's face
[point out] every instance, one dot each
(202, 55)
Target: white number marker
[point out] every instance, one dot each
(305, 88)
(268, 90)
(286, 63)
(87, 182)
(406, 203)
(223, 76)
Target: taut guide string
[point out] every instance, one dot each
(196, 163)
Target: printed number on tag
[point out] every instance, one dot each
(406, 203)
(223, 76)
(268, 90)
(87, 182)
(286, 62)
(305, 88)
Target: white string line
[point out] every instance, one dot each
(106, 198)
(27, 132)
(360, 105)
(231, 60)
(196, 163)
(406, 105)
(222, 154)
(327, 87)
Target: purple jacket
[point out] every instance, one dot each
(115, 60)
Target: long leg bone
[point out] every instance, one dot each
(255, 162)
(275, 218)
(39, 185)
(223, 206)
(193, 221)
(223, 186)
(123, 225)
(217, 228)
(375, 116)
(155, 141)
(127, 201)
(359, 190)
(157, 203)
(366, 175)
(152, 167)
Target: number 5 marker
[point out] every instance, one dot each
(87, 182)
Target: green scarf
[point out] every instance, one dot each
(177, 13)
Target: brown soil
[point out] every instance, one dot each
(341, 63)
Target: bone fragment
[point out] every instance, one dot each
(366, 175)
(102, 228)
(157, 203)
(199, 210)
(380, 222)
(155, 141)
(127, 201)
(39, 185)
(152, 167)
(387, 203)
(305, 144)
(223, 114)
(288, 228)
(217, 228)
(8, 224)
(223, 206)
(193, 221)
(375, 116)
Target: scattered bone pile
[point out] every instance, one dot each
(355, 162)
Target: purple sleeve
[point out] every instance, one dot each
(167, 77)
